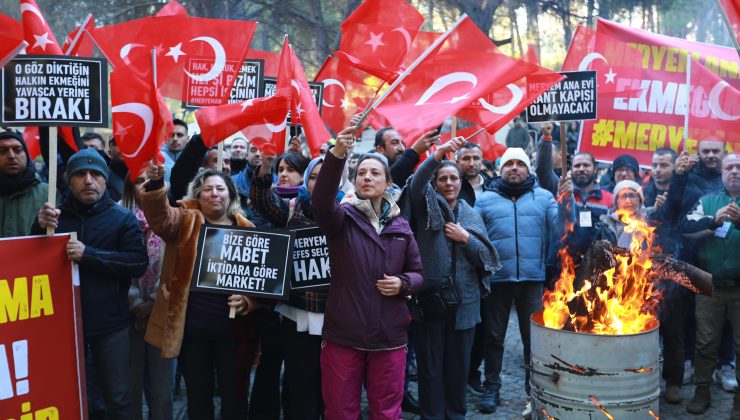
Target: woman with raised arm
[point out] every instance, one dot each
(458, 260)
(375, 266)
(192, 324)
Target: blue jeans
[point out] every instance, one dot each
(110, 359)
(153, 375)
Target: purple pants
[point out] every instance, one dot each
(342, 372)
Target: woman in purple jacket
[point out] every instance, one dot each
(375, 265)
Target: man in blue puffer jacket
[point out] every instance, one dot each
(522, 220)
(110, 251)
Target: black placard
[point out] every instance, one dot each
(310, 260)
(51, 90)
(249, 83)
(317, 88)
(571, 99)
(245, 261)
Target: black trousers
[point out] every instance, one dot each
(265, 399)
(302, 386)
(443, 361)
(479, 346)
(672, 315)
(527, 299)
(198, 358)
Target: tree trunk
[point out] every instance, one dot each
(480, 11)
(320, 31)
(533, 27)
(565, 16)
(590, 16)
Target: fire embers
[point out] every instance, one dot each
(615, 292)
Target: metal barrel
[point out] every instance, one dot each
(587, 376)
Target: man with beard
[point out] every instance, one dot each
(21, 189)
(715, 221)
(238, 154)
(470, 161)
(402, 160)
(655, 189)
(522, 220)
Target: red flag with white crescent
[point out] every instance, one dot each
(714, 111)
(141, 120)
(218, 122)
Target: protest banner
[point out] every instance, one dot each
(246, 261)
(249, 83)
(310, 260)
(42, 370)
(317, 89)
(571, 99)
(643, 92)
(55, 91)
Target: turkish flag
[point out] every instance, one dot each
(37, 31)
(346, 92)
(41, 40)
(141, 120)
(77, 44)
(218, 122)
(172, 8)
(9, 48)
(186, 47)
(292, 81)
(260, 137)
(464, 67)
(10, 27)
(732, 10)
(495, 109)
(531, 55)
(714, 110)
(582, 44)
(393, 13)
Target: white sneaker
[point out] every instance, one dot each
(527, 413)
(688, 372)
(725, 376)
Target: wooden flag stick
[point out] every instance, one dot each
(563, 148)
(220, 161)
(52, 197)
(79, 33)
(232, 312)
(453, 129)
(411, 67)
(474, 134)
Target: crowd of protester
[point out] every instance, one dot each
(430, 245)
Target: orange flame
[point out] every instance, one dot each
(652, 413)
(603, 409)
(621, 301)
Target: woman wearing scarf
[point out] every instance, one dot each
(303, 315)
(375, 265)
(147, 366)
(457, 259)
(628, 202)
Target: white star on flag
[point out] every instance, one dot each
(42, 41)
(610, 76)
(120, 130)
(345, 104)
(298, 109)
(175, 52)
(246, 104)
(375, 40)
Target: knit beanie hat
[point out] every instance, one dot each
(87, 159)
(628, 184)
(628, 161)
(516, 153)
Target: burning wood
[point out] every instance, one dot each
(601, 257)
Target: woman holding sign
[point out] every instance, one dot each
(195, 325)
(374, 266)
(458, 259)
(303, 316)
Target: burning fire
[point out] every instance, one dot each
(619, 301)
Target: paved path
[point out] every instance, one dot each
(513, 397)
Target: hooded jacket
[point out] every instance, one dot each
(357, 315)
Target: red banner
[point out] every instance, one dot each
(643, 98)
(42, 371)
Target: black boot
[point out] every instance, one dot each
(410, 404)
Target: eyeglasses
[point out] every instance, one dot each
(629, 196)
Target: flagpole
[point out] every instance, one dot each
(467, 139)
(78, 35)
(729, 25)
(413, 65)
(52, 195)
(688, 101)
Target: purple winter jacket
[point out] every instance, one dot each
(357, 315)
